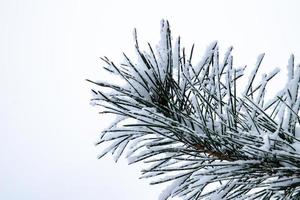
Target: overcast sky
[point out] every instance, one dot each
(47, 50)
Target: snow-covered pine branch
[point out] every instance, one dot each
(193, 128)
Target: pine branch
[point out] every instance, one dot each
(194, 129)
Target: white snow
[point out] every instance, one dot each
(266, 142)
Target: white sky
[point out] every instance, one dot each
(47, 49)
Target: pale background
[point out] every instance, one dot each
(47, 50)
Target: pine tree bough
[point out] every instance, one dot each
(193, 128)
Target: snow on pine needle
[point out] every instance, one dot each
(192, 128)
